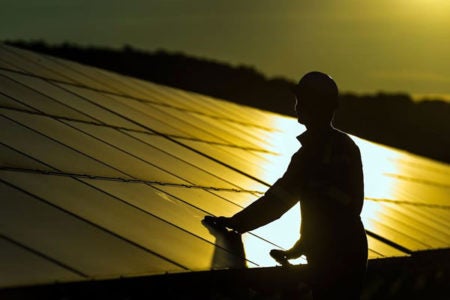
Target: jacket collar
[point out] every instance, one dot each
(312, 137)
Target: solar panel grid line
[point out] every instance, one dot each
(71, 120)
(31, 64)
(129, 87)
(199, 104)
(207, 200)
(56, 173)
(44, 256)
(50, 214)
(9, 59)
(153, 183)
(149, 99)
(420, 180)
(32, 269)
(56, 79)
(182, 228)
(406, 202)
(94, 148)
(89, 79)
(407, 225)
(227, 145)
(133, 116)
(238, 162)
(59, 62)
(219, 133)
(232, 137)
(425, 226)
(226, 108)
(420, 193)
(265, 244)
(178, 99)
(72, 65)
(5, 65)
(389, 242)
(218, 118)
(108, 224)
(181, 124)
(231, 163)
(149, 92)
(392, 234)
(417, 215)
(419, 164)
(122, 94)
(73, 101)
(48, 145)
(35, 99)
(154, 157)
(379, 248)
(193, 163)
(174, 221)
(70, 213)
(264, 139)
(434, 216)
(66, 72)
(122, 132)
(192, 118)
(190, 156)
(6, 102)
(395, 213)
(197, 121)
(439, 177)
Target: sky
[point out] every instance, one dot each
(366, 46)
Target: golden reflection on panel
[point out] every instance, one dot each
(282, 233)
(283, 138)
(378, 249)
(377, 160)
(396, 177)
(406, 195)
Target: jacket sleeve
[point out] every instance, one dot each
(278, 199)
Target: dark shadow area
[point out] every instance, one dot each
(392, 119)
(424, 275)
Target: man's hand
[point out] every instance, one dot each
(221, 223)
(280, 256)
(283, 256)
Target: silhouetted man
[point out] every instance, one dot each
(326, 176)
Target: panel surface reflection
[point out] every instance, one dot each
(126, 169)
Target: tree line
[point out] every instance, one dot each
(393, 119)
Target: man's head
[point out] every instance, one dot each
(316, 99)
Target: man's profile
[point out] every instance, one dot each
(325, 175)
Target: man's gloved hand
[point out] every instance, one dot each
(283, 256)
(280, 256)
(221, 223)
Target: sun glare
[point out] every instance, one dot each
(283, 137)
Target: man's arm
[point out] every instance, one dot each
(272, 205)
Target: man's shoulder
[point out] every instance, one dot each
(344, 139)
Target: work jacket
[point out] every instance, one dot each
(325, 175)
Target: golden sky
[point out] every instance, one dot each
(367, 46)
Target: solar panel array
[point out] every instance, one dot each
(107, 176)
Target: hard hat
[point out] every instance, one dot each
(318, 87)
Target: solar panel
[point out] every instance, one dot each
(107, 176)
